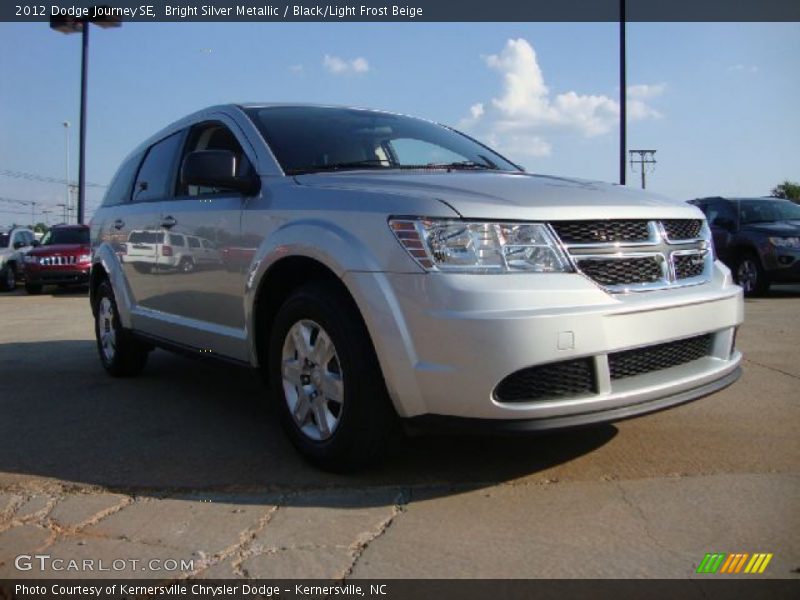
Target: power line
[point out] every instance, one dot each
(42, 178)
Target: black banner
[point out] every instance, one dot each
(709, 587)
(402, 11)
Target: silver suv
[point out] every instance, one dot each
(14, 245)
(381, 269)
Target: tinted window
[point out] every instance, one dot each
(4, 239)
(146, 237)
(157, 171)
(66, 236)
(176, 240)
(18, 237)
(120, 189)
(768, 211)
(308, 139)
(194, 243)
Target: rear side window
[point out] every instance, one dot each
(146, 237)
(176, 240)
(158, 170)
(120, 189)
(194, 243)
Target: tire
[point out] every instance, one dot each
(350, 421)
(120, 353)
(33, 288)
(8, 278)
(749, 274)
(186, 265)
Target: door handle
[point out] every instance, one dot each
(169, 222)
(119, 224)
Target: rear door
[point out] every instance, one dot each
(138, 223)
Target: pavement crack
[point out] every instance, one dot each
(777, 370)
(636, 509)
(365, 540)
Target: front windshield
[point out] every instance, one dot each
(768, 211)
(307, 139)
(66, 236)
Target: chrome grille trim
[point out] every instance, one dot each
(669, 254)
(48, 261)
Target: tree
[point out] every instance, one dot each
(40, 228)
(787, 189)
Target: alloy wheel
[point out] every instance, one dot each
(105, 328)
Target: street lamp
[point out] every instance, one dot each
(67, 24)
(66, 125)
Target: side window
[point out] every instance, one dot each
(19, 237)
(193, 242)
(176, 240)
(157, 172)
(120, 189)
(212, 136)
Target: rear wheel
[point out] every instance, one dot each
(33, 288)
(751, 276)
(120, 353)
(8, 278)
(186, 265)
(326, 379)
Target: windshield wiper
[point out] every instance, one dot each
(464, 165)
(371, 163)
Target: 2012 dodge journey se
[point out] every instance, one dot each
(381, 269)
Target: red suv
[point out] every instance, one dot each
(63, 258)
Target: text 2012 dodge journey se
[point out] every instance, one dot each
(378, 268)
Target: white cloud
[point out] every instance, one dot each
(743, 69)
(341, 66)
(525, 109)
(296, 69)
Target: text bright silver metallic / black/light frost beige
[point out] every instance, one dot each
(381, 269)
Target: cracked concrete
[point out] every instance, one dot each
(180, 465)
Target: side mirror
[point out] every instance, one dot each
(36, 243)
(218, 169)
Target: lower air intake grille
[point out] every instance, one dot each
(622, 271)
(555, 380)
(661, 356)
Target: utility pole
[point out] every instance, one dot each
(66, 125)
(646, 161)
(623, 95)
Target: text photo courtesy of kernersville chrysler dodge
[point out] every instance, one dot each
(385, 271)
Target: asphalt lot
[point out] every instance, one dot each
(186, 463)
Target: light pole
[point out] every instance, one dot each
(66, 125)
(67, 24)
(623, 95)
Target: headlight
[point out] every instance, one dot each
(31, 260)
(785, 242)
(480, 247)
(84, 258)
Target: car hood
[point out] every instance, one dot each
(492, 195)
(60, 249)
(786, 228)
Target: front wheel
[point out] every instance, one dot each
(8, 278)
(120, 353)
(326, 379)
(751, 276)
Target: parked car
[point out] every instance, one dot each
(758, 238)
(14, 244)
(150, 251)
(404, 272)
(63, 259)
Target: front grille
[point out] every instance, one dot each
(58, 260)
(622, 271)
(661, 356)
(682, 229)
(555, 380)
(598, 232)
(688, 265)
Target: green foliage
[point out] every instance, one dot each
(787, 189)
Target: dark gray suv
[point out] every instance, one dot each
(758, 238)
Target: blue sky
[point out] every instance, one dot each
(718, 101)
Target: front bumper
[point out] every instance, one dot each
(445, 342)
(57, 275)
(783, 265)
